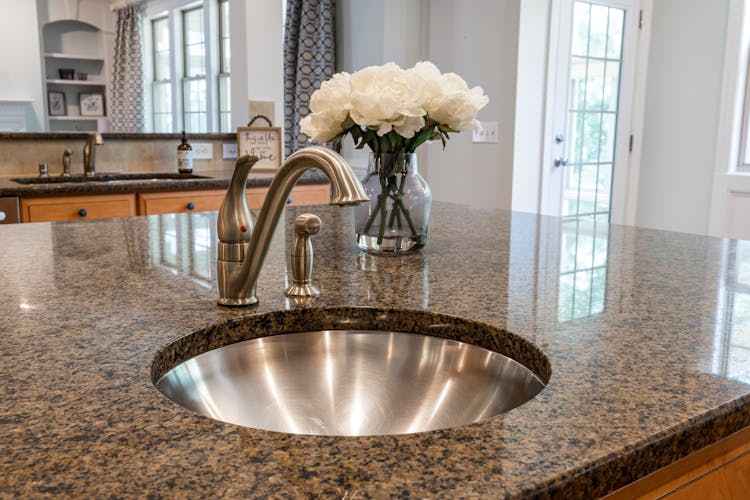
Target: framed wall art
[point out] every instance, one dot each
(264, 142)
(56, 103)
(91, 104)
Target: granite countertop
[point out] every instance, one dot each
(210, 179)
(645, 332)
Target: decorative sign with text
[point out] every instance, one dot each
(264, 142)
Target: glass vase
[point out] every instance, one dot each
(396, 218)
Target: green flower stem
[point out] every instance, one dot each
(391, 188)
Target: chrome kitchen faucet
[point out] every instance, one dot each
(242, 245)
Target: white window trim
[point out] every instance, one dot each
(729, 176)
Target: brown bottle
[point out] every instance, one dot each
(184, 156)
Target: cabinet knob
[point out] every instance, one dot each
(190, 205)
(82, 212)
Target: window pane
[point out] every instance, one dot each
(193, 47)
(581, 31)
(194, 105)
(162, 97)
(614, 44)
(224, 33)
(598, 31)
(161, 54)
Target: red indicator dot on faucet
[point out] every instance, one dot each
(243, 229)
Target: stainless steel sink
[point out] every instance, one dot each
(351, 382)
(156, 176)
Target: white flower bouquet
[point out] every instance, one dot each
(393, 111)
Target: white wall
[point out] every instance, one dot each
(21, 68)
(257, 47)
(479, 41)
(531, 83)
(683, 93)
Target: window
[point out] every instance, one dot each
(195, 111)
(188, 67)
(225, 109)
(161, 87)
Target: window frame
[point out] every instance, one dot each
(172, 10)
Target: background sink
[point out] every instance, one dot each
(108, 178)
(351, 382)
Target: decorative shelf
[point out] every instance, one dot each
(76, 118)
(76, 82)
(60, 55)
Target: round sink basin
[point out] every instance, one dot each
(351, 382)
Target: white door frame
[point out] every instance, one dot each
(630, 109)
(729, 185)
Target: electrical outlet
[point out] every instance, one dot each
(488, 134)
(229, 151)
(203, 150)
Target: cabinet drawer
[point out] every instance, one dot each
(178, 202)
(77, 207)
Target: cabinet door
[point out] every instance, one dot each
(77, 207)
(179, 201)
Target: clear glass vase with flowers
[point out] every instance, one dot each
(393, 111)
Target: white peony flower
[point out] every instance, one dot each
(329, 106)
(387, 97)
(457, 106)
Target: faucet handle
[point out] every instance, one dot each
(235, 221)
(302, 257)
(66, 163)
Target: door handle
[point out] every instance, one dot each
(560, 161)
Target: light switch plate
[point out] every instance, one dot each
(203, 150)
(229, 151)
(488, 134)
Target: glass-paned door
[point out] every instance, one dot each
(594, 76)
(595, 61)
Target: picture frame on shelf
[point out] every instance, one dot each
(91, 104)
(56, 103)
(264, 142)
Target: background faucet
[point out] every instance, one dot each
(243, 249)
(89, 153)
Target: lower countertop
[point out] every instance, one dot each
(645, 332)
(211, 179)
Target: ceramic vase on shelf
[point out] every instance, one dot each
(396, 218)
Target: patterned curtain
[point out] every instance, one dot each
(126, 112)
(309, 60)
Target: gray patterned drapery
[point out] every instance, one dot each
(309, 60)
(126, 111)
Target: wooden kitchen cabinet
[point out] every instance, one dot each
(718, 471)
(100, 206)
(207, 200)
(61, 208)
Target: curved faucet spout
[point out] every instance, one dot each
(237, 282)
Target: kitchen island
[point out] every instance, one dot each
(645, 332)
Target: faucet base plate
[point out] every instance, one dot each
(246, 302)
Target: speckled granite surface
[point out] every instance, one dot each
(645, 332)
(213, 179)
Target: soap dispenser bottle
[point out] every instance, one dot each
(184, 156)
